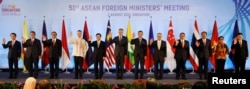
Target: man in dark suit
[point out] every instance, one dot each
(160, 54)
(139, 53)
(33, 53)
(98, 55)
(13, 55)
(181, 55)
(240, 53)
(204, 49)
(121, 46)
(55, 53)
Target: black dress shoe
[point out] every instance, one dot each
(184, 78)
(15, 77)
(141, 77)
(10, 77)
(56, 77)
(136, 77)
(51, 77)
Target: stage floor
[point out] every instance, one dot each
(108, 78)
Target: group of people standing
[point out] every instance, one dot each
(202, 47)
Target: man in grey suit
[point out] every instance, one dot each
(121, 46)
(203, 46)
(33, 53)
(139, 53)
(160, 54)
(181, 55)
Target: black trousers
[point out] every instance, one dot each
(180, 68)
(13, 72)
(203, 62)
(54, 66)
(33, 72)
(220, 63)
(158, 73)
(98, 71)
(119, 66)
(78, 66)
(139, 59)
(240, 65)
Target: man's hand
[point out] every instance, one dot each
(90, 38)
(70, 34)
(176, 42)
(246, 58)
(197, 43)
(4, 40)
(235, 40)
(23, 40)
(103, 58)
(215, 43)
(145, 57)
(18, 58)
(151, 41)
(165, 58)
(133, 35)
(40, 56)
(44, 38)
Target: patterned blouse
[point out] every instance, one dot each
(221, 51)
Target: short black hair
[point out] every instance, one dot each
(53, 32)
(33, 32)
(99, 34)
(140, 31)
(120, 29)
(204, 32)
(79, 31)
(239, 34)
(13, 33)
(182, 33)
(221, 37)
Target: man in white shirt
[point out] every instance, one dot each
(80, 47)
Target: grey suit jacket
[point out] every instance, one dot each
(120, 46)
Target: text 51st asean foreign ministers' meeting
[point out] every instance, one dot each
(124, 44)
